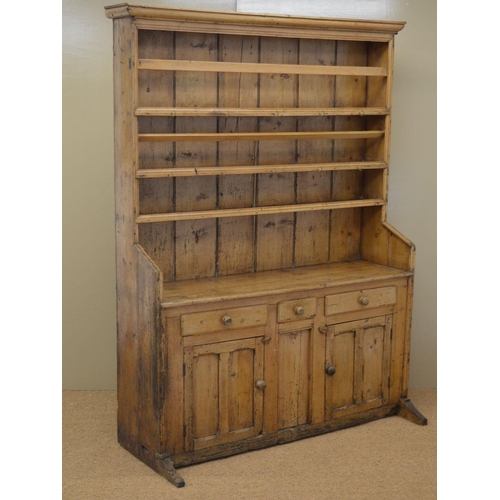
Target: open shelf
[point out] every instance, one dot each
(254, 112)
(242, 212)
(258, 169)
(241, 286)
(241, 67)
(261, 136)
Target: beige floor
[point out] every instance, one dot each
(390, 459)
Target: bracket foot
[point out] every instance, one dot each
(408, 411)
(165, 467)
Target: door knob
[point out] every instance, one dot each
(261, 384)
(227, 320)
(330, 370)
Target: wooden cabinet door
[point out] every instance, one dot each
(359, 352)
(294, 378)
(222, 402)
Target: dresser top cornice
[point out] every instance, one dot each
(249, 19)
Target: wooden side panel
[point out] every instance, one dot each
(349, 91)
(236, 234)
(274, 249)
(374, 237)
(173, 382)
(294, 372)
(124, 66)
(148, 336)
(195, 241)
(312, 229)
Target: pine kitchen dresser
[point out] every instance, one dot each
(261, 295)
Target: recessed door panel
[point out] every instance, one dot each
(357, 366)
(224, 393)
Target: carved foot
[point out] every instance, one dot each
(409, 412)
(165, 468)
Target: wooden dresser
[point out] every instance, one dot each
(262, 296)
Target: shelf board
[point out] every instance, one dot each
(261, 111)
(239, 67)
(243, 212)
(261, 136)
(241, 286)
(257, 169)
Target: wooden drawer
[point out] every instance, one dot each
(359, 300)
(294, 310)
(224, 319)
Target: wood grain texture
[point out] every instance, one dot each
(137, 276)
(195, 241)
(264, 136)
(352, 301)
(227, 67)
(359, 351)
(235, 238)
(257, 169)
(209, 322)
(222, 402)
(298, 309)
(312, 229)
(300, 279)
(294, 366)
(253, 112)
(269, 31)
(219, 18)
(274, 245)
(349, 91)
(262, 211)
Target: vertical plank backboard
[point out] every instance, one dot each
(274, 248)
(235, 234)
(347, 185)
(195, 240)
(156, 88)
(312, 228)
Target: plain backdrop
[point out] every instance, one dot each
(89, 320)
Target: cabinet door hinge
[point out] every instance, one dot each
(183, 369)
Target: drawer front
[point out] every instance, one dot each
(359, 300)
(224, 319)
(294, 310)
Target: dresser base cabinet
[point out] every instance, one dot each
(262, 297)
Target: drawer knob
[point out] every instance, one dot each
(299, 310)
(227, 320)
(330, 370)
(261, 384)
(364, 301)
